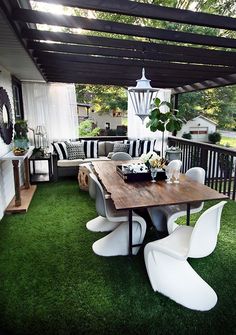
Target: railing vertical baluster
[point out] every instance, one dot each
(213, 170)
(209, 167)
(217, 171)
(191, 159)
(221, 178)
(230, 174)
(187, 163)
(234, 185)
(185, 157)
(226, 172)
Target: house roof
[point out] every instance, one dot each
(13, 56)
(205, 118)
(173, 59)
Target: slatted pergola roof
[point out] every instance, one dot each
(197, 63)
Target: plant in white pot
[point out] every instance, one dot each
(161, 121)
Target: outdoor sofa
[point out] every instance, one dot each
(66, 164)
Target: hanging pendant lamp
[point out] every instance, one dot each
(142, 96)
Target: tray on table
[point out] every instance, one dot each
(129, 176)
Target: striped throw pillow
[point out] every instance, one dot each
(60, 149)
(133, 147)
(90, 148)
(146, 146)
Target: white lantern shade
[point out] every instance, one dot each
(142, 96)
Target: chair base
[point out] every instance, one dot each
(177, 280)
(101, 224)
(117, 242)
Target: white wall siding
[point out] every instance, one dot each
(6, 171)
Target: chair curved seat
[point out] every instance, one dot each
(121, 156)
(117, 242)
(164, 217)
(168, 269)
(100, 223)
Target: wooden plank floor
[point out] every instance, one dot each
(26, 197)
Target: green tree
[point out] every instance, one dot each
(103, 98)
(86, 128)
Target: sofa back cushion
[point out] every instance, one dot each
(133, 147)
(121, 147)
(60, 149)
(101, 148)
(110, 146)
(90, 148)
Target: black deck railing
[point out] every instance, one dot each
(218, 162)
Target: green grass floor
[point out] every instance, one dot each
(51, 282)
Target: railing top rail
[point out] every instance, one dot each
(103, 138)
(213, 147)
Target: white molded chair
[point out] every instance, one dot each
(121, 156)
(175, 164)
(100, 223)
(117, 242)
(167, 266)
(164, 217)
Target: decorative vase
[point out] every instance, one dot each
(21, 143)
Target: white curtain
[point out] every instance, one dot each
(137, 129)
(52, 106)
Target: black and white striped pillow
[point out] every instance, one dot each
(60, 149)
(90, 148)
(133, 147)
(146, 146)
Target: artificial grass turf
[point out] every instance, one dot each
(52, 282)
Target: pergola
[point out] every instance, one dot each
(89, 59)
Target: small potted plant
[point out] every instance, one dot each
(21, 141)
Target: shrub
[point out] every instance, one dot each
(86, 128)
(188, 136)
(214, 137)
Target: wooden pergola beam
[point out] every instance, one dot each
(32, 16)
(151, 11)
(44, 56)
(217, 82)
(129, 72)
(41, 35)
(121, 53)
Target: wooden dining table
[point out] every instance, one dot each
(142, 194)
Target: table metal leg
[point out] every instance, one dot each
(188, 214)
(130, 232)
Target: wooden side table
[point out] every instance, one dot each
(41, 177)
(24, 195)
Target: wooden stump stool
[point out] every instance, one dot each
(84, 170)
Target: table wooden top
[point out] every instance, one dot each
(10, 155)
(146, 194)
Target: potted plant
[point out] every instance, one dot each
(21, 141)
(164, 121)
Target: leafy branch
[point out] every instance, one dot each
(164, 121)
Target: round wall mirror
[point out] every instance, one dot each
(6, 123)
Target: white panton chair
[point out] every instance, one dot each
(167, 266)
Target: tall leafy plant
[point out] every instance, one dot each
(161, 121)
